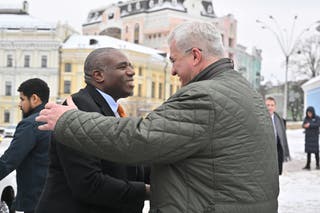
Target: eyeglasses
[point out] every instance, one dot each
(185, 52)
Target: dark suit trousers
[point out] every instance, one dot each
(280, 156)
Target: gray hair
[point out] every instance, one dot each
(202, 35)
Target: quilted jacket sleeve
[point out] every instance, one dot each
(174, 131)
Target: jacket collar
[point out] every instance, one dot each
(37, 109)
(214, 69)
(99, 100)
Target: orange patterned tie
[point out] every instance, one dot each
(121, 111)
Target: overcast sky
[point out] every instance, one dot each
(245, 11)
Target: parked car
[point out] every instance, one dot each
(9, 131)
(8, 185)
(1, 133)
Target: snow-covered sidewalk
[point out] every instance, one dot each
(299, 189)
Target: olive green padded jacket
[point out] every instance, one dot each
(211, 145)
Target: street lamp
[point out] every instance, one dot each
(288, 44)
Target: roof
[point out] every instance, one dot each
(83, 41)
(12, 4)
(311, 84)
(13, 21)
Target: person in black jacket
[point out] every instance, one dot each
(80, 183)
(28, 151)
(311, 123)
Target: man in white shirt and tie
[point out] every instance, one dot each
(280, 133)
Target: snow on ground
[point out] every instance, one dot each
(299, 189)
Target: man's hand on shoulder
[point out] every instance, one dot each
(52, 112)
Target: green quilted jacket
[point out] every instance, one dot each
(211, 145)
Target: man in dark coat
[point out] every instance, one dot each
(311, 123)
(280, 133)
(28, 151)
(80, 183)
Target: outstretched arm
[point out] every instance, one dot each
(174, 131)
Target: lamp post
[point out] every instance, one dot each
(288, 43)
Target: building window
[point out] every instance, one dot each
(27, 61)
(153, 89)
(138, 6)
(210, 10)
(6, 116)
(44, 61)
(67, 67)
(136, 33)
(8, 88)
(129, 7)
(9, 61)
(160, 90)
(171, 89)
(151, 3)
(110, 16)
(140, 71)
(222, 38)
(230, 42)
(67, 87)
(139, 90)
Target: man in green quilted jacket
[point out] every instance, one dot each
(211, 144)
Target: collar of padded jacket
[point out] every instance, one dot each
(214, 69)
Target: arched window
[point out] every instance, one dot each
(151, 3)
(138, 6)
(210, 10)
(136, 33)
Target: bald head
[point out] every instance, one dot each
(110, 71)
(98, 60)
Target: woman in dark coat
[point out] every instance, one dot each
(311, 124)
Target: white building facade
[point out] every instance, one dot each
(29, 48)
